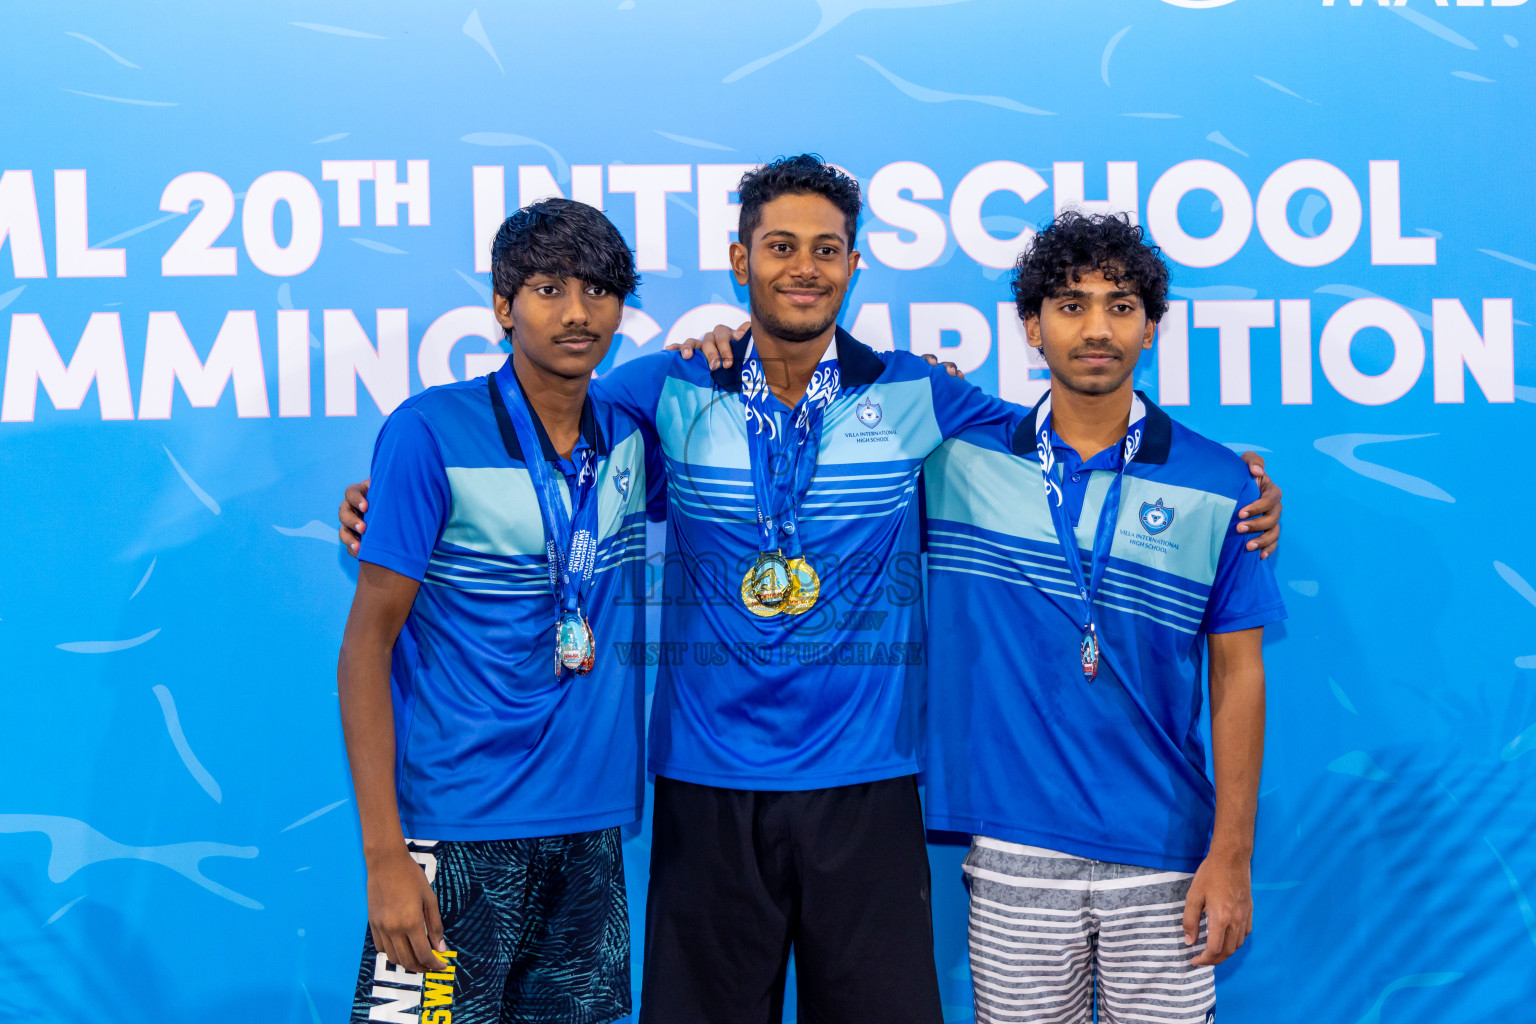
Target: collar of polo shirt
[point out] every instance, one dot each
(857, 363)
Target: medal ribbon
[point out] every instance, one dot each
(786, 443)
(1109, 512)
(570, 538)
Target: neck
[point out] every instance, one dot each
(789, 365)
(1090, 423)
(554, 399)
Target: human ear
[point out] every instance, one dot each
(503, 309)
(739, 262)
(1032, 330)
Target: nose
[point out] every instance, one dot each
(803, 266)
(1096, 326)
(575, 312)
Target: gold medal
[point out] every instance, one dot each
(805, 587)
(767, 585)
(749, 598)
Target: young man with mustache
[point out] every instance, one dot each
(494, 737)
(1080, 577)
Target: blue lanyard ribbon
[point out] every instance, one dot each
(570, 538)
(1109, 512)
(783, 447)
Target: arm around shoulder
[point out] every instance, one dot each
(635, 387)
(962, 408)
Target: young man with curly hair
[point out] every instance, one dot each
(493, 735)
(1081, 579)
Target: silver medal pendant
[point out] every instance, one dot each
(576, 648)
(1090, 654)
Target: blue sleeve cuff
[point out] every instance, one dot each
(1237, 623)
(395, 561)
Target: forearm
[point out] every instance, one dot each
(1237, 740)
(367, 722)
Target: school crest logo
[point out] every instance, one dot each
(621, 484)
(1155, 518)
(869, 413)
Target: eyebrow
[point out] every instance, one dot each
(824, 236)
(1078, 293)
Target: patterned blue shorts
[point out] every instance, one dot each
(539, 929)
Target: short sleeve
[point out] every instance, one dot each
(964, 410)
(1244, 594)
(408, 498)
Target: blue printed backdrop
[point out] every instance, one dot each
(177, 840)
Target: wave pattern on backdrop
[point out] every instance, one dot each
(234, 240)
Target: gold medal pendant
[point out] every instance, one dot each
(767, 585)
(754, 606)
(805, 588)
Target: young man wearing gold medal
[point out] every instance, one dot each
(786, 811)
(1098, 553)
(494, 738)
(786, 748)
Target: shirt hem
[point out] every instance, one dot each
(427, 829)
(787, 782)
(1073, 847)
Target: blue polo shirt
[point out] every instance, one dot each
(489, 742)
(834, 696)
(1021, 746)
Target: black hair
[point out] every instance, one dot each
(806, 174)
(1075, 244)
(561, 238)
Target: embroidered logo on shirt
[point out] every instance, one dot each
(621, 484)
(1155, 518)
(868, 430)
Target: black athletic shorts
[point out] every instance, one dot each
(741, 877)
(539, 929)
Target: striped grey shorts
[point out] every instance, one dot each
(1045, 925)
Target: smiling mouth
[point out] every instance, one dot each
(802, 296)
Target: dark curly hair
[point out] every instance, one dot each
(1076, 244)
(806, 174)
(564, 239)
